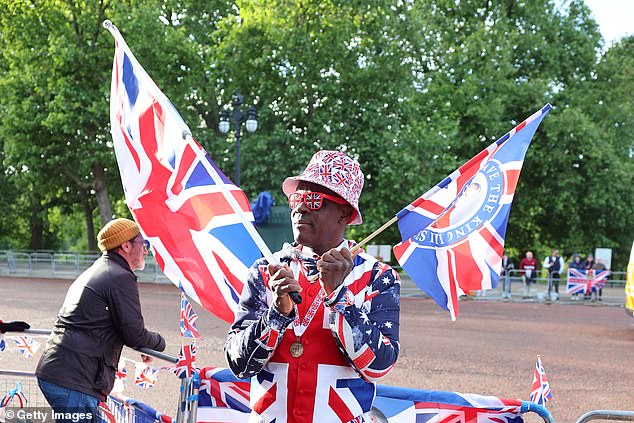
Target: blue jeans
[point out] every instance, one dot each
(70, 406)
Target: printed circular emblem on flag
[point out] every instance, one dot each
(478, 202)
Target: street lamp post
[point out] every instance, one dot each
(237, 117)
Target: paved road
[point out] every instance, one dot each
(587, 349)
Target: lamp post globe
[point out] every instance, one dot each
(237, 117)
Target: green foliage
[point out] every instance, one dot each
(410, 89)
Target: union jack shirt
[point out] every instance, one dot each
(351, 342)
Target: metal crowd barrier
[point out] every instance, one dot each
(627, 416)
(27, 381)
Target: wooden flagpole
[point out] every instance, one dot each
(368, 238)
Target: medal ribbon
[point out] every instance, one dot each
(300, 328)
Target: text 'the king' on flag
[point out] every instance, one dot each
(453, 235)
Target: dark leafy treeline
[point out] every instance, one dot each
(412, 89)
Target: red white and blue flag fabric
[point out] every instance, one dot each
(27, 346)
(3, 343)
(453, 235)
(188, 319)
(225, 398)
(198, 223)
(540, 392)
(582, 281)
(145, 376)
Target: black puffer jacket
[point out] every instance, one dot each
(100, 314)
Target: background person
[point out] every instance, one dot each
(555, 265)
(101, 314)
(344, 335)
(505, 275)
(528, 267)
(589, 262)
(578, 264)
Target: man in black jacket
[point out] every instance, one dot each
(101, 314)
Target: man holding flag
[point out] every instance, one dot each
(317, 360)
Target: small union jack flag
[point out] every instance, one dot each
(541, 392)
(186, 366)
(3, 344)
(119, 378)
(146, 377)
(188, 319)
(27, 346)
(121, 373)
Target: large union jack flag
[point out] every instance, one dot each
(197, 221)
(453, 235)
(225, 398)
(540, 391)
(585, 281)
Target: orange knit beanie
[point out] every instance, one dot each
(116, 232)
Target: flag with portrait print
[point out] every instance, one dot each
(585, 281)
(198, 223)
(453, 235)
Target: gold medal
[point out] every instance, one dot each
(297, 349)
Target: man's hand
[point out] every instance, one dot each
(15, 326)
(334, 266)
(281, 283)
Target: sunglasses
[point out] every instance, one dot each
(143, 242)
(313, 200)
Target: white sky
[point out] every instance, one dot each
(615, 18)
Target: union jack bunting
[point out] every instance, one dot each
(145, 376)
(119, 378)
(27, 346)
(540, 392)
(197, 221)
(585, 281)
(188, 319)
(453, 235)
(3, 344)
(14, 397)
(225, 398)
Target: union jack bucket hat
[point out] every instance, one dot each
(335, 171)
